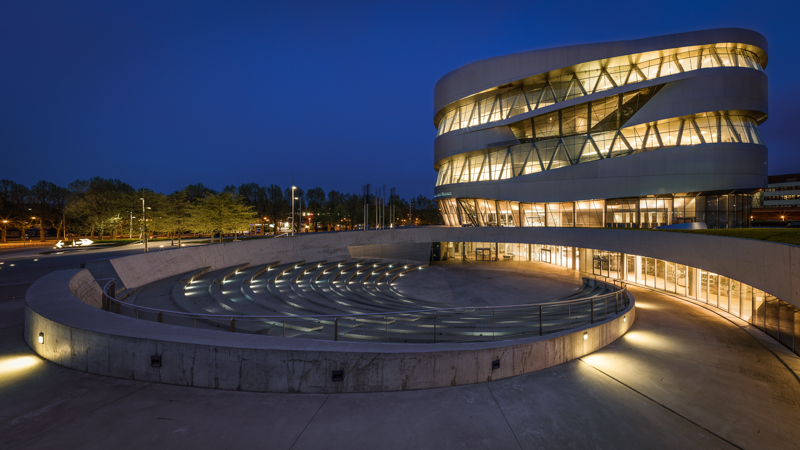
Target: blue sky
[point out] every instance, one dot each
(338, 94)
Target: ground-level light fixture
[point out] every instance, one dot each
(585, 335)
(41, 338)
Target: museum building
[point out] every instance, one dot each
(632, 134)
(640, 133)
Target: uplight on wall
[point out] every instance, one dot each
(41, 338)
(585, 335)
(624, 319)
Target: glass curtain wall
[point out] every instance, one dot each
(555, 87)
(553, 153)
(775, 317)
(717, 211)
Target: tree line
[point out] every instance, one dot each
(101, 208)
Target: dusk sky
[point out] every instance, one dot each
(164, 94)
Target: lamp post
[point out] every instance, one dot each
(293, 197)
(144, 226)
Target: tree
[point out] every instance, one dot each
(47, 201)
(222, 214)
(173, 214)
(98, 203)
(315, 199)
(275, 206)
(254, 196)
(195, 192)
(5, 223)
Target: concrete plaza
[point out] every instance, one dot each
(684, 376)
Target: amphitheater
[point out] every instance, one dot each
(334, 314)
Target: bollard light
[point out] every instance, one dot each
(41, 338)
(585, 335)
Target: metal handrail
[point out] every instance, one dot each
(619, 292)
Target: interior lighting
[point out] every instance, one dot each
(35, 259)
(41, 338)
(585, 335)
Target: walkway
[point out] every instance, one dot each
(683, 377)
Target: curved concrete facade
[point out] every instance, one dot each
(728, 89)
(492, 72)
(701, 168)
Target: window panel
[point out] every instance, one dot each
(619, 74)
(533, 214)
(573, 146)
(574, 120)
(519, 155)
(487, 212)
(589, 213)
(546, 125)
(440, 179)
(519, 104)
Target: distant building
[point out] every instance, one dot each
(780, 200)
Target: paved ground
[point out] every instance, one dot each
(683, 377)
(470, 283)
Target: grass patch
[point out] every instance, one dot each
(789, 236)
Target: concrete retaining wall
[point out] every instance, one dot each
(774, 268)
(88, 339)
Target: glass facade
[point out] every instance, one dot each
(775, 317)
(717, 211)
(554, 87)
(547, 153)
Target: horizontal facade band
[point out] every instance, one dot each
(498, 72)
(550, 89)
(550, 154)
(739, 91)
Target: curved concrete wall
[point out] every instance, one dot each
(88, 339)
(696, 168)
(772, 267)
(492, 72)
(737, 89)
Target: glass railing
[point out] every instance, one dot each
(439, 325)
(619, 72)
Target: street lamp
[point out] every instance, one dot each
(293, 197)
(301, 214)
(144, 225)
